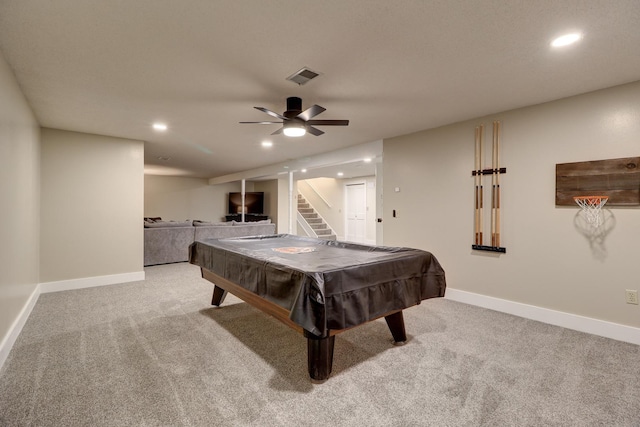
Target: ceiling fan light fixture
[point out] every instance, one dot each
(296, 122)
(294, 129)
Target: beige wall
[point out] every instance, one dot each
(548, 263)
(181, 198)
(19, 201)
(91, 205)
(270, 190)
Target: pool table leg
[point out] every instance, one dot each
(395, 322)
(319, 355)
(218, 295)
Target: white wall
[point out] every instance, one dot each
(91, 206)
(285, 208)
(19, 204)
(548, 263)
(327, 196)
(379, 203)
(181, 198)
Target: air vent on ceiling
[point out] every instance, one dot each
(302, 76)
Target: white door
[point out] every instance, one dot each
(356, 213)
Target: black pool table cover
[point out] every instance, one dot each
(326, 285)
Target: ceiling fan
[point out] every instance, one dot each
(296, 122)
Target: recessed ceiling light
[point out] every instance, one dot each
(340, 173)
(303, 171)
(160, 127)
(566, 40)
(267, 144)
(367, 160)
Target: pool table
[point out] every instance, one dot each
(320, 287)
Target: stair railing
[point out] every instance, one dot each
(303, 221)
(318, 193)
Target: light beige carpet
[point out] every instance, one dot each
(155, 353)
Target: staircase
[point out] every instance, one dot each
(322, 230)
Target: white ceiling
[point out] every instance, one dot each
(390, 67)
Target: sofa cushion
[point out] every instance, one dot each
(162, 224)
(238, 230)
(198, 223)
(264, 221)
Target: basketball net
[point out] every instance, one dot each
(592, 208)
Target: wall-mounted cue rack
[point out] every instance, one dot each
(478, 174)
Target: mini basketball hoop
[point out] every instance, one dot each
(591, 208)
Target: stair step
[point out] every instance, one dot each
(316, 223)
(328, 237)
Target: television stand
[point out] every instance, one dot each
(247, 217)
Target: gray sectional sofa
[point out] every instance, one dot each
(168, 241)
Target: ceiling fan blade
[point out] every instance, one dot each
(328, 122)
(311, 112)
(314, 131)
(271, 113)
(279, 131)
(260, 123)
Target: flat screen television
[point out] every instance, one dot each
(253, 203)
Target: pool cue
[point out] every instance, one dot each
(480, 222)
(497, 230)
(476, 213)
(478, 185)
(493, 187)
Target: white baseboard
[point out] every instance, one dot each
(62, 285)
(558, 318)
(90, 282)
(7, 343)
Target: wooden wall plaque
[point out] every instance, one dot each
(619, 179)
